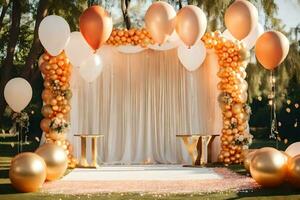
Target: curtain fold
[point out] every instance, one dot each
(141, 101)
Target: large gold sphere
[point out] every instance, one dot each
(56, 160)
(27, 172)
(294, 171)
(247, 160)
(268, 167)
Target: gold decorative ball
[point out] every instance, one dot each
(247, 160)
(56, 160)
(27, 172)
(294, 171)
(237, 108)
(268, 167)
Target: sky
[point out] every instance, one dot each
(289, 12)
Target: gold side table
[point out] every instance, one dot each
(191, 140)
(83, 161)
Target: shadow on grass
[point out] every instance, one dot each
(281, 192)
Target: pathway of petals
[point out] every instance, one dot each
(231, 181)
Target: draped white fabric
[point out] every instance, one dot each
(141, 101)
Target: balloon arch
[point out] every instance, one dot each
(164, 30)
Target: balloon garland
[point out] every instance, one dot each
(130, 37)
(232, 58)
(56, 96)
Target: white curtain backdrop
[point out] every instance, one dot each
(140, 102)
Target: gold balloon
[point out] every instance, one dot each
(247, 160)
(237, 108)
(45, 124)
(293, 149)
(56, 160)
(27, 172)
(268, 167)
(47, 111)
(294, 171)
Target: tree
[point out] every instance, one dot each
(20, 45)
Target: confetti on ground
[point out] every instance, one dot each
(230, 181)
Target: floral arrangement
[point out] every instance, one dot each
(244, 140)
(59, 125)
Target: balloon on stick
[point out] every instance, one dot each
(90, 69)
(271, 49)
(240, 18)
(160, 21)
(95, 25)
(293, 149)
(190, 24)
(27, 172)
(77, 50)
(54, 33)
(17, 93)
(192, 58)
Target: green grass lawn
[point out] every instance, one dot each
(8, 193)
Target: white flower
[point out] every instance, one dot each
(241, 138)
(245, 147)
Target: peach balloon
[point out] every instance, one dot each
(190, 24)
(240, 18)
(271, 49)
(160, 21)
(95, 25)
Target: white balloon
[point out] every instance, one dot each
(192, 58)
(77, 49)
(130, 49)
(91, 68)
(17, 93)
(54, 34)
(243, 86)
(172, 42)
(106, 53)
(250, 40)
(173, 37)
(228, 35)
(293, 150)
(165, 46)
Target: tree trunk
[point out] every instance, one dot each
(124, 7)
(8, 61)
(2, 15)
(180, 4)
(29, 72)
